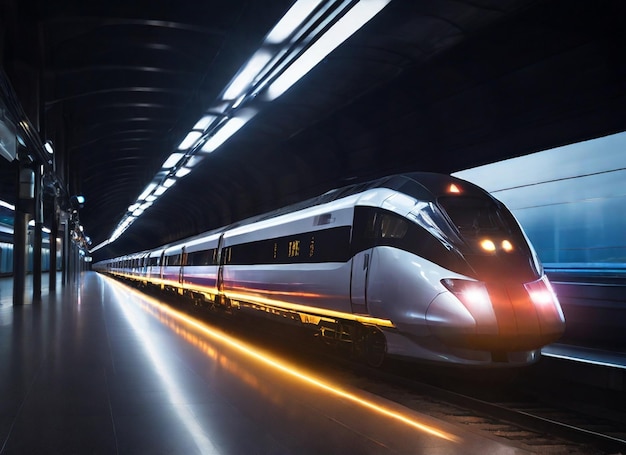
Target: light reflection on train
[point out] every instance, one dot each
(419, 266)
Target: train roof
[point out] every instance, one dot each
(420, 185)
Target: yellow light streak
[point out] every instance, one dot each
(308, 309)
(284, 367)
(265, 301)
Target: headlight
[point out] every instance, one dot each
(541, 292)
(470, 293)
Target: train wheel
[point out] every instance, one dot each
(373, 346)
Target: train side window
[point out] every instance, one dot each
(204, 257)
(363, 229)
(392, 226)
(172, 260)
(377, 227)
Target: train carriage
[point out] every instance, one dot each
(421, 266)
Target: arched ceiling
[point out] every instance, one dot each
(430, 85)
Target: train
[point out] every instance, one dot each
(416, 266)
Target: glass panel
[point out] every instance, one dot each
(473, 215)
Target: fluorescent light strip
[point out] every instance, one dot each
(189, 140)
(160, 190)
(246, 76)
(183, 171)
(147, 191)
(240, 100)
(226, 131)
(172, 160)
(193, 161)
(7, 205)
(291, 20)
(204, 122)
(169, 183)
(352, 21)
(100, 245)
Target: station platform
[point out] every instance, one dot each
(100, 368)
(581, 354)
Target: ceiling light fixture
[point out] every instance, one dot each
(352, 21)
(291, 20)
(204, 122)
(160, 190)
(230, 127)
(191, 138)
(169, 183)
(147, 191)
(246, 76)
(302, 38)
(173, 160)
(183, 171)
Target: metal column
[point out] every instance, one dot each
(54, 233)
(25, 194)
(37, 237)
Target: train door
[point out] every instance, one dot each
(161, 267)
(220, 265)
(181, 270)
(362, 244)
(358, 283)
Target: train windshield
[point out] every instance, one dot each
(474, 216)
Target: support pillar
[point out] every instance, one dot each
(37, 237)
(20, 228)
(65, 256)
(25, 194)
(54, 233)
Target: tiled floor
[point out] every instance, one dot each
(101, 369)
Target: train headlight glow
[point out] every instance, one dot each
(470, 293)
(507, 246)
(541, 292)
(488, 245)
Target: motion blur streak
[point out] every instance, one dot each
(278, 364)
(307, 309)
(176, 396)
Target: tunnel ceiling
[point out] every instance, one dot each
(427, 85)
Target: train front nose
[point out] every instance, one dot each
(504, 316)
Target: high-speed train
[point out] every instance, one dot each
(418, 266)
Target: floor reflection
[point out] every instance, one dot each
(214, 343)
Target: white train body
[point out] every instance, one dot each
(419, 266)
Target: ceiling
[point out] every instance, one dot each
(430, 85)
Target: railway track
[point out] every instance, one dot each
(533, 425)
(504, 408)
